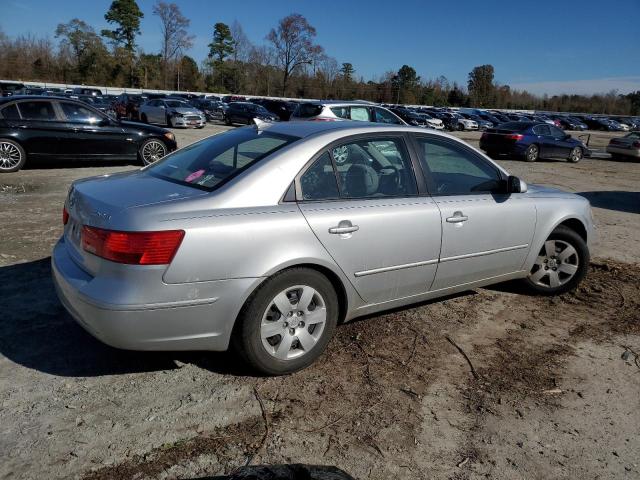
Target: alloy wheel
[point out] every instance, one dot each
(556, 264)
(153, 151)
(532, 153)
(576, 155)
(293, 322)
(341, 154)
(10, 156)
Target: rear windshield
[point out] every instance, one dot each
(307, 110)
(213, 161)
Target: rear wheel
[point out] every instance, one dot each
(561, 264)
(531, 153)
(576, 155)
(287, 322)
(12, 156)
(152, 150)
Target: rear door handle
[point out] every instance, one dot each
(457, 217)
(345, 226)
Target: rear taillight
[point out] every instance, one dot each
(136, 248)
(515, 136)
(65, 215)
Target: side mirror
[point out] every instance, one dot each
(515, 185)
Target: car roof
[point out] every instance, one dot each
(334, 103)
(13, 98)
(306, 129)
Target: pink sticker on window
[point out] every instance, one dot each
(194, 175)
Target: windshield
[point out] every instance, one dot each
(211, 162)
(177, 104)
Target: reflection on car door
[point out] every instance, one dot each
(45, 129)
(545, 142)
(485, 233)
(88, 138)
(562, 147)
(383, 235)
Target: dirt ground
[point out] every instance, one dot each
(493, 383)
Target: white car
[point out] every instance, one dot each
(432, 122)
(466, 124)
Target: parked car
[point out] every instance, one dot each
(488, 117)
(188, 254)
(601, 123)
(213, 109)
(233, 98)
(571, 123)
(631, 122)
(334, 111)
(531, 141)
(432, 122)
(617, 126)
(465, 123)
(51, 128)
(104, 104)
(449, 122)
(245, 112)
(9, 88)
(481, 124)
(625, 147)
(172, 112)
(127, 105)
(410, 117)
(281, 108)
(87, 91)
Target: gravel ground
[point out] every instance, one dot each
(553, 393)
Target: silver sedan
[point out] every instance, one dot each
(266, 237)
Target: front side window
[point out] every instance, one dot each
(79, 114)
(341, 112)
(374, 168)
(383, 116)
(210, 162)
(454, 170)
(37, 110)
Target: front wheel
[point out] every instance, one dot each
(561, 264)
(532, 153)
(152, 150)
(12, 156)
(576, 155)
(287, 322)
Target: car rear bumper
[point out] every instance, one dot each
(180, 322)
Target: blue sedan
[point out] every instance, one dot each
(531, 141)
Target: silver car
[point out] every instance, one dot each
(172, 112)
(267, 237)
(329, 110)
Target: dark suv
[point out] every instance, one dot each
(245, 112)
(50, 128)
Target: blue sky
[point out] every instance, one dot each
(546, 46)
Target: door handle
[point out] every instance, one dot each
(345, 226)
(457, 217)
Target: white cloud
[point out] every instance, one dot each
(623, 85)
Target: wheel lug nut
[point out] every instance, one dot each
(546, 268)
(292, 331)
(286, 324)
(299, 314)
(302, 324)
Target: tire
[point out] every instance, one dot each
(12, 156)
(576, 155)
(460, 127)
(152, 150)
(283, 353)
(567, 253)
(532, 153)
(227, 121)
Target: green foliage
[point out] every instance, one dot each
(126, 15)
(481, 87)
(222, 45)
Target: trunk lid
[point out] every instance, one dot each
(104, 201)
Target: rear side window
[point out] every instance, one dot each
(37, 111)
(454, 170)
(542, 130)
(341, 112)
(308, 110)
(383, 116)
(319, 182)
(10, 112)
(211, 162)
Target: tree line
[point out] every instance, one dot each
(289, 62)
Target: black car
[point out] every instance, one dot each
(104, 104)
(449, 121)
(245, 112)
(281, 108)
(213, 109)
(409, 116)
(50, 128)
(10, 88)
(87, 91)
(570, 123)
(127, 105)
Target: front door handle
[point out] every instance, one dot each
(345, 226)
(457, 217)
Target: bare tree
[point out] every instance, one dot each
(175, 38)
(293, 43)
